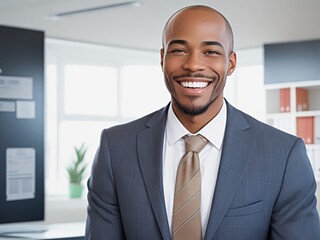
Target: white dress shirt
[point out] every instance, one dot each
(174, 149)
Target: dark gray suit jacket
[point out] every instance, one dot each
(265, 187)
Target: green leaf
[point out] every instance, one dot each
(77, 168)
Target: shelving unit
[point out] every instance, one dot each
(295, 108)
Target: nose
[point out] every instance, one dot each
(193, 63)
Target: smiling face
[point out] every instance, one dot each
(196, 58)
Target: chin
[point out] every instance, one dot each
(193, 110)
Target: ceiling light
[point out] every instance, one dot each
(60, 15)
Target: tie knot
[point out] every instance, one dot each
(195, 143)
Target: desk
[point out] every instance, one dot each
(68, 231)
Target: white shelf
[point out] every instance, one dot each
(311, 83)
(308, 113)
(313, 146)
(279, 115)
(287, 121)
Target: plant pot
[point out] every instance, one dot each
(75, 190)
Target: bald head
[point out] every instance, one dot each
(196, 58)
(198, 13)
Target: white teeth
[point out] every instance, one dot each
(194, 84)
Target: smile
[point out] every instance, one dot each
(194, 84)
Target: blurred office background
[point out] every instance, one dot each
(102, 68)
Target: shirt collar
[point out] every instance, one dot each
(213, 131)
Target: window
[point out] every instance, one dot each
(142, 90)
(89, 88)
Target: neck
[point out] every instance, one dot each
(194, 123)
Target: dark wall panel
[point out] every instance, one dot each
(22, 55)
(292, 62)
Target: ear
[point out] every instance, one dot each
(232, 62)
(161, 57)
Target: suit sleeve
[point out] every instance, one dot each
(103, 220)
(295, 215)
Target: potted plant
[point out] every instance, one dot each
(76, 171)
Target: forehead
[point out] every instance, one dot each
(197, 25)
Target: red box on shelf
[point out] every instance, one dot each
(302, 99)
(305, 129)
(285, 100)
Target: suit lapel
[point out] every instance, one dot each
(150, 147)
(237, 147)
(238, 142)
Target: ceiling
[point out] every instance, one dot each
(255, 22)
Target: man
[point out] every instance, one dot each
(256, 182)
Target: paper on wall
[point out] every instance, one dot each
(6, 106)
(20, 173)
(16, 87)
(26, 109)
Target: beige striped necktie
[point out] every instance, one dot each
(186, 223)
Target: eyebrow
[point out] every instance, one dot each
(182, 42)
(205, 43)
(212, 43)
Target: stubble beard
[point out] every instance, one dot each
(193, 110)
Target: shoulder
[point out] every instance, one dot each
(265, 134)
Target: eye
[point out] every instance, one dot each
(177, 51)
(177, 48)
(211, 52)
